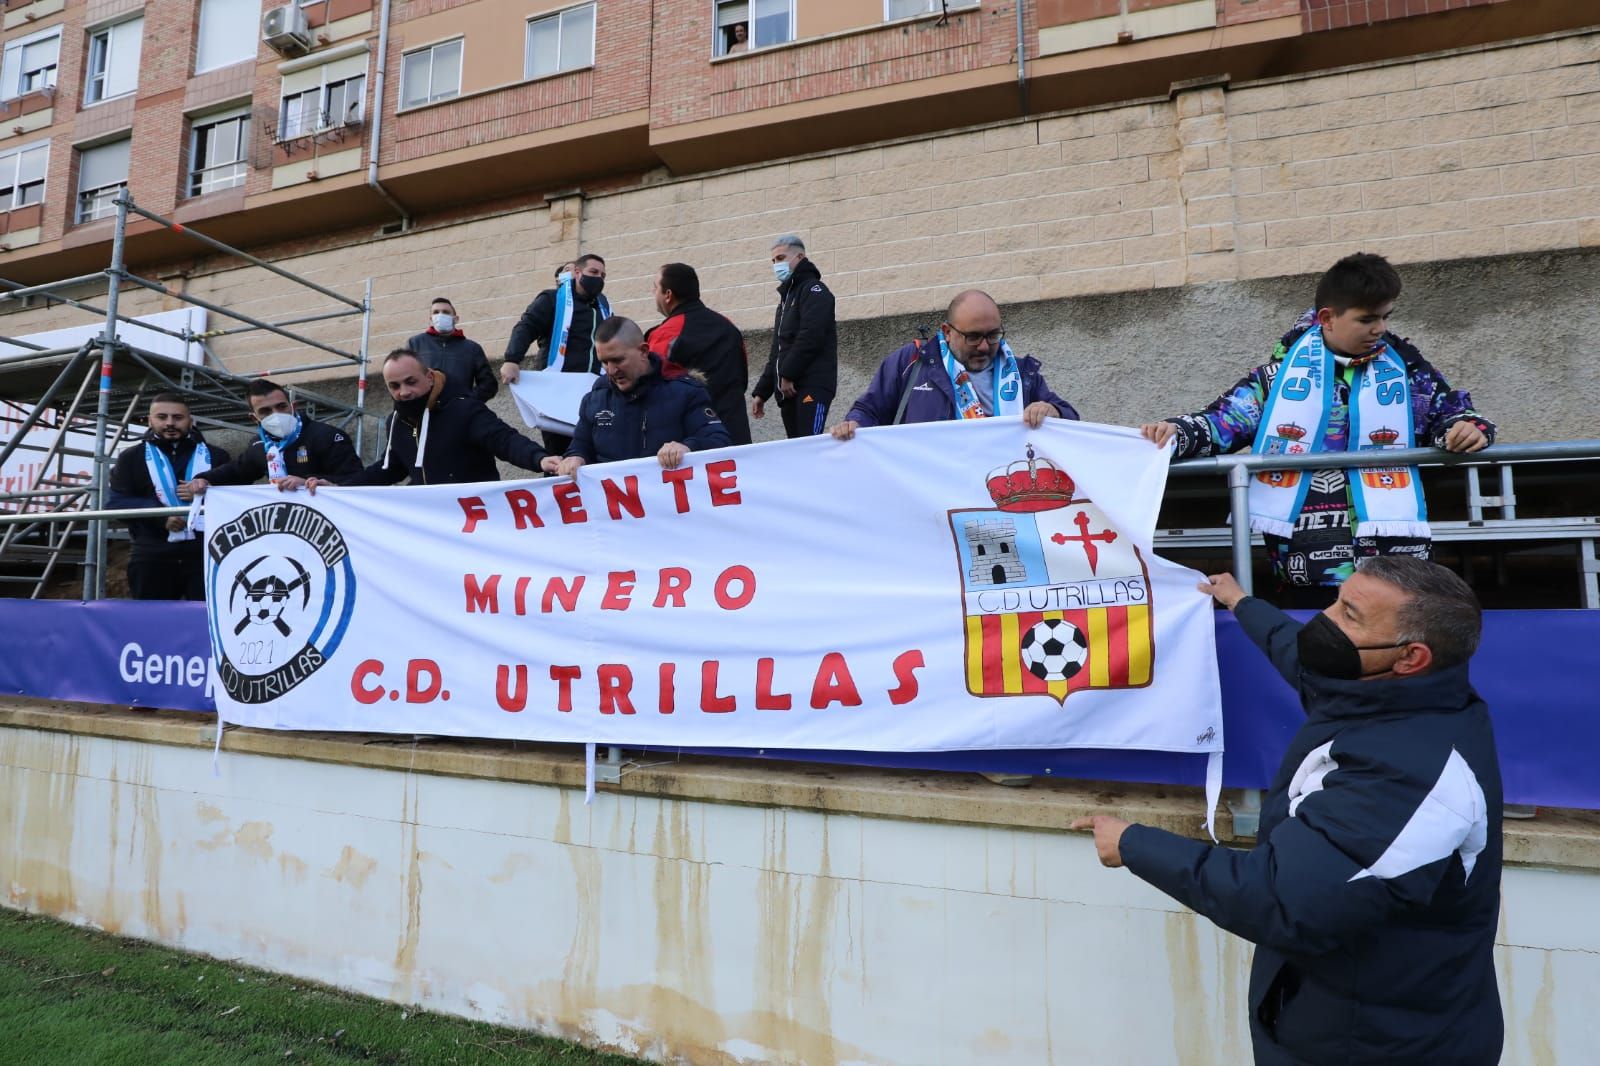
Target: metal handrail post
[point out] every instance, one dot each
(1239, 523)
(361, 368)
(94, 571)
(41, 404)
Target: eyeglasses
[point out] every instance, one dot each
(994, 336)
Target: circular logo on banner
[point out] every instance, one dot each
(280, 595)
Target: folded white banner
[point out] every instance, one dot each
(921, 588)
(550, 400)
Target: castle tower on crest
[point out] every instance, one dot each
(992, 545)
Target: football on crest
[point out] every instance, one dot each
(1054, 650)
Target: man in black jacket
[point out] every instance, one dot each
(289, 450)
(444, 347)
(633, 411)
(166, 562)
(437, 439)
(562, 321)
(695, 338)
(803, 368)
(1373, 891)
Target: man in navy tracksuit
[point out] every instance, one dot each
(1373, 891)
(633, 411)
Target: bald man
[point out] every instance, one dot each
(966, 370)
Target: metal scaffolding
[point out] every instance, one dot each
(43, 529)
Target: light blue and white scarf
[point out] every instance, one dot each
(165, 481)
(1387, 502)
(563, 325)
(1005, 384)
(277, 468)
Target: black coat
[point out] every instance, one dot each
(321, 451)
(464, 440)
(1373, 891)
(614, 425)
(131, 487)
(805, 338)
(466, 368)
(538, 323)
(696, 338)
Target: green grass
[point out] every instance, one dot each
(76, 997)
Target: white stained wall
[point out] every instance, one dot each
(679, 930)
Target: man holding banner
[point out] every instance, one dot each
(562, 321)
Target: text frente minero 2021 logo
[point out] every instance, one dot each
(1055, 600)
(280, 594)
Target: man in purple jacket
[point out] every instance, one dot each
(965, 371)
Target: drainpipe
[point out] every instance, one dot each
(377, 117)
(1022, 61)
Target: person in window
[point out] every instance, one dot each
(738, 38)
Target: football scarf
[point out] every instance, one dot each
(277, 469)
(563, 325)
(165, 479)
(1006, 383)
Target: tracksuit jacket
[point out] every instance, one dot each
(919, 366)
(805, 339)
(321, 452)
(538, 324)
(695, 338)
(1373, 891)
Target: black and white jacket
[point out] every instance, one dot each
(1373, 891)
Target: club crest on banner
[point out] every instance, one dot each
(279, 593)
(1054, 599)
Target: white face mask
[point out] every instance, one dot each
(278, 425)
(563, 277)
(781, 269)
(443, 323)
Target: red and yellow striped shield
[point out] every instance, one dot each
(1119, 652)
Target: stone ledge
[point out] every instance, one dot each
(1557, 838)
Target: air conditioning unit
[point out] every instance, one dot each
(285, 31)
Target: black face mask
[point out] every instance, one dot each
(1326, 650)
(411, 410)
(590, 286)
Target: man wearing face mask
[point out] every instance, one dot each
(562, 322)
(1373, 891)
(803, 367)
(290, 450)
(166, 562)
(444, 347)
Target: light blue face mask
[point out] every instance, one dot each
(781, 269)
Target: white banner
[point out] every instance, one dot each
(550, 399)
(920, 588)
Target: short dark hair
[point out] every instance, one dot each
(615, 326)
(264, 387)
(681, 280)
(1441, 610)
(403, 353)
(168, 397)
(577, 264)
(442, 300)
(1363, 280)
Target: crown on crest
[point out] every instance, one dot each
(1291, 431)
(1384, 436)
(1030, 484)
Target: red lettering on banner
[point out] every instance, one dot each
(766, 699)
(475, 511)
(624, 498)
(564, 676)
(722, 482)
(522, 594)
(415, 670)
(747, 588)
(673, 584)
(557, 590)
(679, 480)
(359, 689)
(710, 702)
(834, 683)
(511, 700)
(905, 666)
(524, 508)
(484, 598)
(569, 499)
(619, 591)
(616, 682)
(669, 692)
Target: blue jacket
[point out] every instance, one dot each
(918, 366)
(614, 425)
(1373, 891)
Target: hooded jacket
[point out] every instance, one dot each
(131, 488)
(919, 366)
(466, 368)
(695, 338)
(321, 452)
(463, 441)
(614, 425)
(805, 338)
(1373, 891)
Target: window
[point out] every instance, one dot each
(102, 175)
(22, 176)
(113, 61)
(30, 64)
(228, 33)
(431, 74)
(218, 148)
(560, 42)
(904, 9)
(739, 28)
(323, 107)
